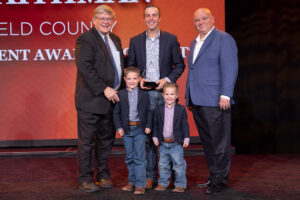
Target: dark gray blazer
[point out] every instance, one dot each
(95, 71)
(121, 110)
(180, 123)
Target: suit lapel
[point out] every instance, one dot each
(126, 101)
(103, 47)
(206, 43)
(143, 51)
(139, 97)
(162, 113)
(176, 115)
(162, 42)
(191, 54)
(100, 42)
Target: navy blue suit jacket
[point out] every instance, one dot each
(180, 123)
(214, 71)
(121, 110)
(171, 63)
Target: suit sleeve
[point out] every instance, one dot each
(229, 65)
(177, 59)
(185, 125)
(131, 59)
(117, 115)
(149, 113)
(84, 55)
(155, 123)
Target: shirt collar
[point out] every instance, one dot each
(102, 35)
(157, 37)
(172, 106)
(134, 90)
(198, 38)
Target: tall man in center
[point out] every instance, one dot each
(157, 54)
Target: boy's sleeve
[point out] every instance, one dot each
(117, 116)
(149, 113)
(155, 125)
(185, 125)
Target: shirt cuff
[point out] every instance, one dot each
(155, 139)
(168, 79)
(225, 97)
(186, 140)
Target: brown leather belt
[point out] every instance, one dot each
(168, 140)
(133, 123)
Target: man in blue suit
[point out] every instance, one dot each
(212, 73)
(157, 54)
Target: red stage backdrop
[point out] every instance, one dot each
(37, 67)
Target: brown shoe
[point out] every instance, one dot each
(128, 188)
(105, 183)
(178, 189)
(139, 190)
(149, 184)
(160, 188)
(88, 187)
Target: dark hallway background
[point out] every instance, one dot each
(266, 118)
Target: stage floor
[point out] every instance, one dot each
(252, 177)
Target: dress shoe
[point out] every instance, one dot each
(105, 183)
(160, 188)
(202, 184)
(139, 190)
(215, 188)
(128, 188)
(149, 184)
(178, 189)
(89, 187)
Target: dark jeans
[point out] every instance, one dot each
(214, 128)
(94, 129)
(151, 150)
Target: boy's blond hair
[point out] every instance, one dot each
(132, 69)
(170, 85)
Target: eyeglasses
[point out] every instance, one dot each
(109, 19)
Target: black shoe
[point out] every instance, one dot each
(203, 184)
(215, 188)
(89, 187)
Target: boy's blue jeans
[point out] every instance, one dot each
(171, 153)
(134, 141)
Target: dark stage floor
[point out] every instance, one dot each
(252, 177)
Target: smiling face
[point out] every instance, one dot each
(132, 80)
(170, 95)
(151, 18)
(103, 22)
(203, 21)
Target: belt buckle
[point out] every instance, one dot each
(133, 123)
(168, 140)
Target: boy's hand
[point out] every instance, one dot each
(185, 144)
(156, 143)
(121, 132)
(147, 130)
